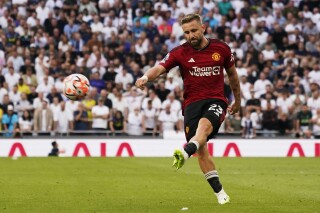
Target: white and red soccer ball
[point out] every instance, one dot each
(76, 86)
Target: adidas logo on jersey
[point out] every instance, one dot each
(191, 60)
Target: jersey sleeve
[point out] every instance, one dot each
(169, 61)
(229, 58)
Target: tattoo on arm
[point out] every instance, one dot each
(234, 83)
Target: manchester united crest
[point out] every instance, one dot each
(187, 129)
(216, 56)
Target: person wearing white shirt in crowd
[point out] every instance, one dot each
(209, 4)
(120, 104)
(63, 119)
(16, 60)
(168, 119)
(170, 84)
(155, 101)
(55, 106)
(100, 116)
(3, 91)
(268, 53)
(150, 114)
(162, 4)
(45, 86)
(124, 78)
(23, 104)
(96, 26)
(12, 78)
(37, 102)
(42, 12)
(14, 95)
(156, 19)
(315, 74)
(297, 95)
(245, 90)
(136, 123)
(316, 122)
(21, 4)
(51, 4)
(32, 20)
(134, 98)
(260, 85)
(313, 102)
(283, 102)
(4, 19)
(72, 106)
(267, 100)
(25, 122)
(174, 104)
(96, 56)
(108, 29)
(41, 62)
(58, 84)
(260, 37)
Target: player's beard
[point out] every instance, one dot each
(195, 42)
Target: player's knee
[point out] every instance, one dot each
(205, 129)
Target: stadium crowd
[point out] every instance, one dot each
(113, 42)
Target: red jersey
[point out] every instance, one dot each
(201, 70)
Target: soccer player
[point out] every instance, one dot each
(202, 62)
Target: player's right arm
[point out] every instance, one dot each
(150, 75)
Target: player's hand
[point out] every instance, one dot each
(234, 108)
(141, 82)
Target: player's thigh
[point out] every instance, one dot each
(215, 112)
(192, 115)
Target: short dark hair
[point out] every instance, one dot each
(190, 17)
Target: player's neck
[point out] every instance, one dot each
(204, 44)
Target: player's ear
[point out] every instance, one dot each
(203, 28)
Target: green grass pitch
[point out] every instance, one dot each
(151, 185)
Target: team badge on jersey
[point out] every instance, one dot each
(187, 129)
(216, 56)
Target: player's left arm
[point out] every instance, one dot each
(235, 86)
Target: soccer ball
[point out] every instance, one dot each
(76, 86)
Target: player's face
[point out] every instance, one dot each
(194, 33)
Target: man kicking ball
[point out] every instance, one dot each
(202, 62)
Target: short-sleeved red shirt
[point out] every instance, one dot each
(201, 70)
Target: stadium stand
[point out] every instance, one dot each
(113, 42)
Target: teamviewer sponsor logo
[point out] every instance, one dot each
(205, 71)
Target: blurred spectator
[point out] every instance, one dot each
(120, 104)
(26, 123)
(136, 123)
(168, 119)
(150, 115)
(153, 98)
(174, 104)
(304, 121)
(248, 127)
(124, 78)
(63, 119)
(100, 116)
(118, 124)
(253, 103)
(316, 123)
(233, 123)
(22, 87)
(43, 119)
(14, 95)
(9, 121)
(80, 119)
(269, 119)
(23, 104)
(284, 124)
(12, 78)
(5, 103)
